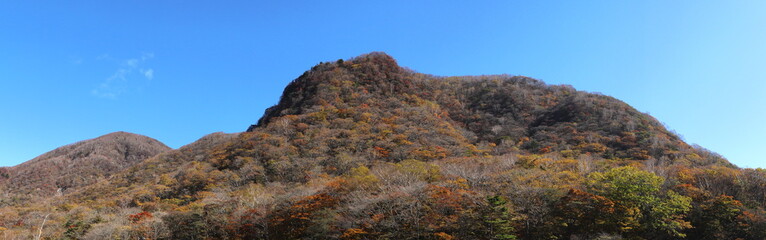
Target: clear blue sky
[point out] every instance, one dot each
(178, 70)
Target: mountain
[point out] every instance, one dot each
(510, 112)
(70, 167)
(366, 149)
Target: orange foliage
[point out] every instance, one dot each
(378, 217)
(443, 236)
(294, 220)
(337, 185)
(447, 206)
(389, 120)
(354, 234)
(546, 149)
(584, 212)
(690, 191)
(384, 153)
(446, 197)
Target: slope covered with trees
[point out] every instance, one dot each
(366, 149)
(70, 167)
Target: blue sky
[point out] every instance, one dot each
(178, 70)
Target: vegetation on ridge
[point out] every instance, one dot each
(71, 167)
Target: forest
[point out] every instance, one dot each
(366, 149)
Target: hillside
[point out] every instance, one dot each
(366, 149)
(70, 167)
(510, 112)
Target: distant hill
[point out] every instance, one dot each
(67, 168)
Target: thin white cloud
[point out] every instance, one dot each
(132, 63)
(104, 57)
(74, 60)
(103, 94)
(125, 77)
(149, 73)
(145, 56)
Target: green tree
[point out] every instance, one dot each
(666, 216)
(717, 218)
(641, 208)
(498, 219)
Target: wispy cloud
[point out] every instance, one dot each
(74, 60)
(148, 73)
(129, 73)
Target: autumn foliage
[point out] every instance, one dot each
(365, 149)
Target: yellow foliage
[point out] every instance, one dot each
(460, 183)
(361, 177)
(167, 180)
(592, 147)
(424, 171)
(430, 153)
(534, 160)
(569, 179)
(198, 205)
(570, 153)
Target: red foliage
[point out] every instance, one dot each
(293, 221)
(138, 217)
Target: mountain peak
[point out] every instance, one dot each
(120, 134)
(81, 163)
(128, 138)
(377, 58)
(375, 73)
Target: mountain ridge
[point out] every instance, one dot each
(523, 108)
(57, 170)
(365, 149)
